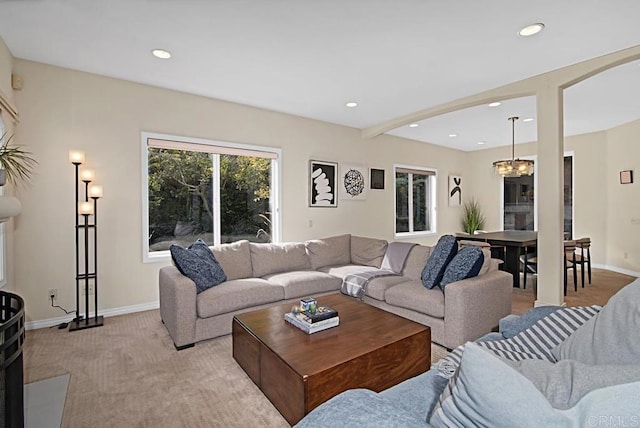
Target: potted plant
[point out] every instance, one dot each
(16, 164)
(472, 219)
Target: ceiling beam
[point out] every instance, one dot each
(562, 77)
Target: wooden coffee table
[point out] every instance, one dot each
(370, 349)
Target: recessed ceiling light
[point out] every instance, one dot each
(161, 53)
(531, 29)
(496, 104)
(529, 119)
(414, 125)
(481, 143)
(453, 135)
(352, 104)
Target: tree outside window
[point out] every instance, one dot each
(415, 208)
(219, 198)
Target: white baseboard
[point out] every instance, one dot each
(617, 269)
(50, 322)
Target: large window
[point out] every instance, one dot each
(414, 200)
(214, 191)
(519, 201)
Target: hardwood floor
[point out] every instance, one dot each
(604, 284)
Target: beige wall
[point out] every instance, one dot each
(6, 64)
(623, 208)
(603, 209)
(63, 109)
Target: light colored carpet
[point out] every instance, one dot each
(128, 373)
(44, 402)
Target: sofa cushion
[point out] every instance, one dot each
(274, 258)
(360, 408)
(415, 262)
(304, 283)
(606, 338)
(341, 271)
(235, 259)
(367, 251)
(237, 294)
(488, 392)
(198, 263)
(377, 287)
(465, 264)
(412, 295)
(442, 254)
(332, 251)
(564, 383)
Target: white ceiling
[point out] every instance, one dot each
(308, 58)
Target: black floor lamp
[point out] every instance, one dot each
(86, 272)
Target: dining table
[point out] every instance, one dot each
(513, 242)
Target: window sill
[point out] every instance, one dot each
(407, 235)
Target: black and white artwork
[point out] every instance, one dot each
(455, 190)
(323, 177)
(377, 178)
(353, 182)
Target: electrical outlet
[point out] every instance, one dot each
(53, 293)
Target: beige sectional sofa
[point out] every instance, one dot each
(262, 275)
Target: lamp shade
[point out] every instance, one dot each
(87, 175)
(9, 207)
(95, 191)
(76, 157)
(85, 208)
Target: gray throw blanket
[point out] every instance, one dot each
(355, 284)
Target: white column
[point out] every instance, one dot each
(550, 196)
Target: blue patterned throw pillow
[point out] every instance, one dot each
(198, 263)
(442, 253)
(465, 264)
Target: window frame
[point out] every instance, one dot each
(566, 154)
(433, 200)
(274, 200)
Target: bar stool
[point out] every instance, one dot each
(584, 244)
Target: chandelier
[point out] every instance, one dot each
(513, 167)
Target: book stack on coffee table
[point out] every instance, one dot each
(323, 318)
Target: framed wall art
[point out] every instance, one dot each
(377, 178)
(323, 178)
(353, 182)
(455, 190)
(626, 177)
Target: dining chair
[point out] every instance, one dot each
(529, 261)
(584, 244)
(530, 264)
(570, 263)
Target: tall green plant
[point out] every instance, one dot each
(17, 163)
(473, 219)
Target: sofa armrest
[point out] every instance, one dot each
(474, 306)
(178, 305)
